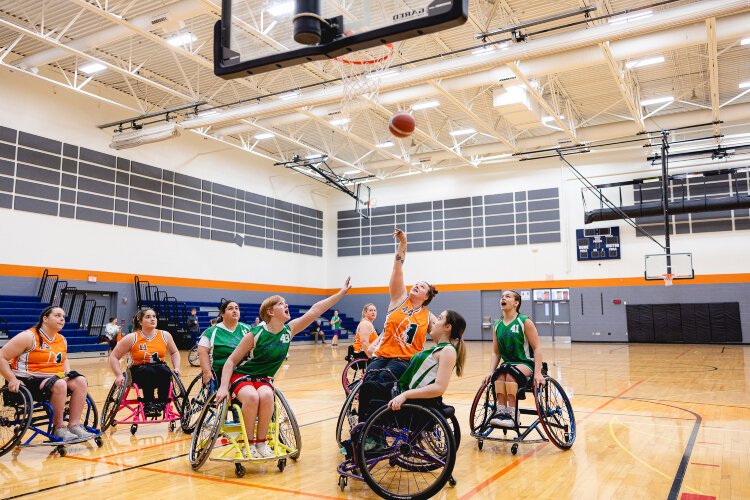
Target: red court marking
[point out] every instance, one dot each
(531, 453)
(694, 496)
(705, 442)
(681, 355)
(238, 483)
(145, 448)
(705, 465)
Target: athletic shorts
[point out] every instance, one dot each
(34, 385)
(256, 382)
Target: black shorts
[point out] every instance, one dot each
(34, 385)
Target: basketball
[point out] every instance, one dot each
(402, 124)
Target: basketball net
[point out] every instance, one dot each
(667, 279)
(361, 75)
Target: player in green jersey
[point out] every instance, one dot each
(221, 339)
(249, 370)
(516, 343)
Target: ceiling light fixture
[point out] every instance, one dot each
(289, 95)
(281, 9)
(644, 62)
(631, 17)
(745, 85)
(339, 121)
(462, 131)
(384, 74)
(181, 39)
(264, 135)
(547, 119)
(745, 41)
(137, 137)
(425, 105)
(352, 172)
(657, 100)
(92, 68)
(386, 144)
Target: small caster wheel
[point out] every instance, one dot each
(342, 482)
(16, 451)
(239, 470)
(133, 429)
(282, 464)
(61, 451)
(480, 444)
(514, 449)
(172, 426)
(99, 442)
(452, 481)
(113, 426)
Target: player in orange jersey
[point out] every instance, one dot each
(37, 358)
(148, 348)
(407, 321)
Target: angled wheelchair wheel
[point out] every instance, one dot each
(179, 394)
(556, 414)
(455, 429)
(206, 431)
(353, 372)
(196, 396)
(483, 409)
(409, 453)
(113, 402)
(288, 429)
(193, 358)
(348, 416)
(15, 417)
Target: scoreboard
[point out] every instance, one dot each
(601, 243)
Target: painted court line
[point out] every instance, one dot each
(705, 465)
(145, 448)
(536, 449)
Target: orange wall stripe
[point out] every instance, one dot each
(104, 276)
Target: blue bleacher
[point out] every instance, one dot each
(22, 312)
(208, 310)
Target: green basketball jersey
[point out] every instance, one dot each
(222, 342)
(422, 369)
(336, 323)
(514, 348)
(269, 353)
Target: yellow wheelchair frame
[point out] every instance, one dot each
(224, 422)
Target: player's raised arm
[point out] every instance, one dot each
(396, 284)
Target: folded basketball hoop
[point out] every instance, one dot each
(361, 74)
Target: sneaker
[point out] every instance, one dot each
(265, 451)
(80, 431)
(254, 452)
(372, 444)
(504, 421)
(64, 434)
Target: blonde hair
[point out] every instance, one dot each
(267, 305)
(364, 309)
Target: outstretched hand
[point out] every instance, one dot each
(347, 286)
(400, 236)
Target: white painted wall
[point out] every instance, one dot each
(713, 253)
(41, 108)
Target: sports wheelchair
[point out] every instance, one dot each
(354, 371)
(552, 408)
(406, 453)
(19, 414)
(223, 422)
(122, 407)
(195, 399)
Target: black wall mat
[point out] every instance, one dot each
(686, 323)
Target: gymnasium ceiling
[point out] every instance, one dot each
(146, 73)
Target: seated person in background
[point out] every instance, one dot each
(148, 349)
(428, 373)
(365, 335)
(514, 334)
(111, 330)
(316, 332)
(38, 359)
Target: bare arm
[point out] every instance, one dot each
(363, 331)
(120, 350)
(205, 360)
(533, 337)
(446, 362)
(174, 353)
(14, 348)
(396, 284)
(299, 324)
(234, 359)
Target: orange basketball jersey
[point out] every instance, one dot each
(42, 360)
(145, 351)
(357, 344)
(405, 331)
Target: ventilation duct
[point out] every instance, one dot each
(654, 208)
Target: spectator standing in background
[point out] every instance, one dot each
(192, 324)
(335, 326)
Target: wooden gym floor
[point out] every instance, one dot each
(654, 421)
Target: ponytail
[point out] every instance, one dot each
(458, 325)
(460, 357)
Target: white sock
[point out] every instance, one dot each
(501, 409)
